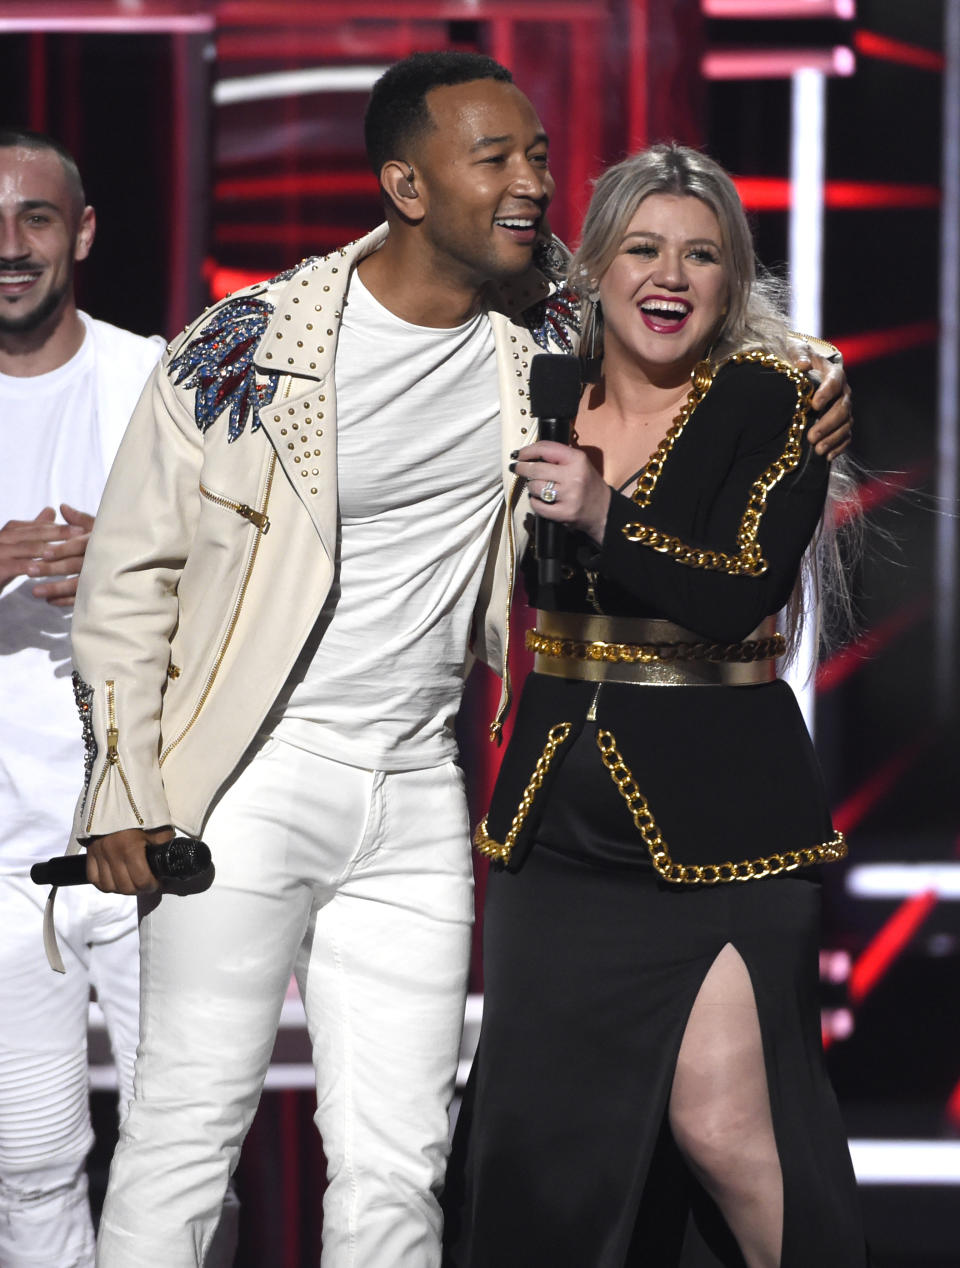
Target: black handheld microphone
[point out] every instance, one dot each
(180, 859)
(555, 387)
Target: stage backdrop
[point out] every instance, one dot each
(221, 142)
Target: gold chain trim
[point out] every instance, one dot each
(485, 843)
(748, 561)
(702, 379)
(745, 652)
(709, 873)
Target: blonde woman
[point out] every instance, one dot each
(650, 1039)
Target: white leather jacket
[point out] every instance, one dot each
(214, 546)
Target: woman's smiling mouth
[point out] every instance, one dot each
(665, 314)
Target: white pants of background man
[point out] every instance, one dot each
(45, 1131)
(360, 882)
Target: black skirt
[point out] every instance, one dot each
(562, 1157)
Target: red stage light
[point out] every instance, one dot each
(763, 193)
(779, 8)
(102, 19)
(849, 195)
(869, 44)
(270, 15)
(863, 799)
(879, 490)
(953, 1107)
(297, 184)
(300, 236)
(775, 63)
(772, 193)
(887, 945)
(223, 281)
(883, 343)
(845, 662)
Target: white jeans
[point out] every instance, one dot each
(361, 883)
(45, 1131)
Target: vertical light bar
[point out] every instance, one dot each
(808, 110)
(502, 48)
(948, 410)
(37, 79)
(639, 55)
(807, 143)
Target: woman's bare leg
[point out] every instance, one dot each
(720, 1110)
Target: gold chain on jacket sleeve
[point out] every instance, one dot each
(749, 560)
(708, 873)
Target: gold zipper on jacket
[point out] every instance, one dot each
(592, 579)
(496, 726)
(112, 757)
(247, 512)
(235, 614)
(592, 708)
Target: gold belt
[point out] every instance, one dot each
(649, 651)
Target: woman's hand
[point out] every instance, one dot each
(580, 497)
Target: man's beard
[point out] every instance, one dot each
(34, 318)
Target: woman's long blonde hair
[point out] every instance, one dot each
(754, 319)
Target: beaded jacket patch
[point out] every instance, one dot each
(554, 320)
(83, 694)
(286, 275)
(218, 362)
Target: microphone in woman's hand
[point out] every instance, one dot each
(555, 387)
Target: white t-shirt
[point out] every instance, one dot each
(50, 452)
(418, 466)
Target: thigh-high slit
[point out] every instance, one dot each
(591, 974)
(719, 1113)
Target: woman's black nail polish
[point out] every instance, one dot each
(514, 453)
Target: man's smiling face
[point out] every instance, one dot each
(43, 232)
(483, 177)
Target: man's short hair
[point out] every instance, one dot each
(397, 113)
(24, 139)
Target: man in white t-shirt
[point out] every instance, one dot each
(311, 518)
(68, 385)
